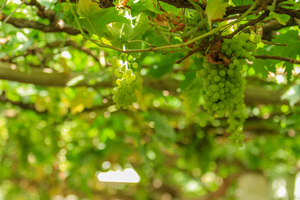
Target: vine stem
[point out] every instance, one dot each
(5, 20)
(290, 60)
(161, 48)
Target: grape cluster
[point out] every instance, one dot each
(224, 85)
(127, 83)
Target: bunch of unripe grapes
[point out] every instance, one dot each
(127, 83)
(224, 85)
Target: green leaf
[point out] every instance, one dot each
(288, 69)
(66, 7)
(290, 37)
(281, 18)
(138, 7)
(215, 10)
(292, 94)
(191, 95)
(260, 67)
(161, 126)
(168, 8)
(198, 7)
(189, 78)
(161, 66)
(240, 3)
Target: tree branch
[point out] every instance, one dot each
(22, 105)
(44, 77)
(290, 60)
(274, 25)
(57, 44)
(39, 77)
(24, 23)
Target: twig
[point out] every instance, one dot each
(36, 4)
(3, 5)
(82, 48)
(24, 23)
(290, 60)
(270, 43)
(250, 23)
(227, 36)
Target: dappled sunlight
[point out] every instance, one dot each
(128, 175)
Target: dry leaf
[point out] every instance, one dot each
(215, 57)
(161, 20)
(179, 27)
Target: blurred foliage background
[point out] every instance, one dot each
(60, 132)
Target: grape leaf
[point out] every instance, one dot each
(215, 9)
(293, 44)
(191, 95)
(125, 33)
(291, 51)
(96, 20)
(263, 66)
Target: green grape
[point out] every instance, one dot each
(214, 88)
(251, 58)
(222, 72)
(236, 62)
(257, 39)
(224, 47)
(135, 65)
(228, 53)
(118, 81)
(113, 60)
(231, 66)
(216, 95)
(230, 72)
(203, 123)
(203, 72)
(117, 72)
(215, 107)
(227, 41)
(214, 72)
(217, 78)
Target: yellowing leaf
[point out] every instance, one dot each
(215, 10)
(281, 18)
(87, 8)
(40, 104)
(77, 108)
(64, 64)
